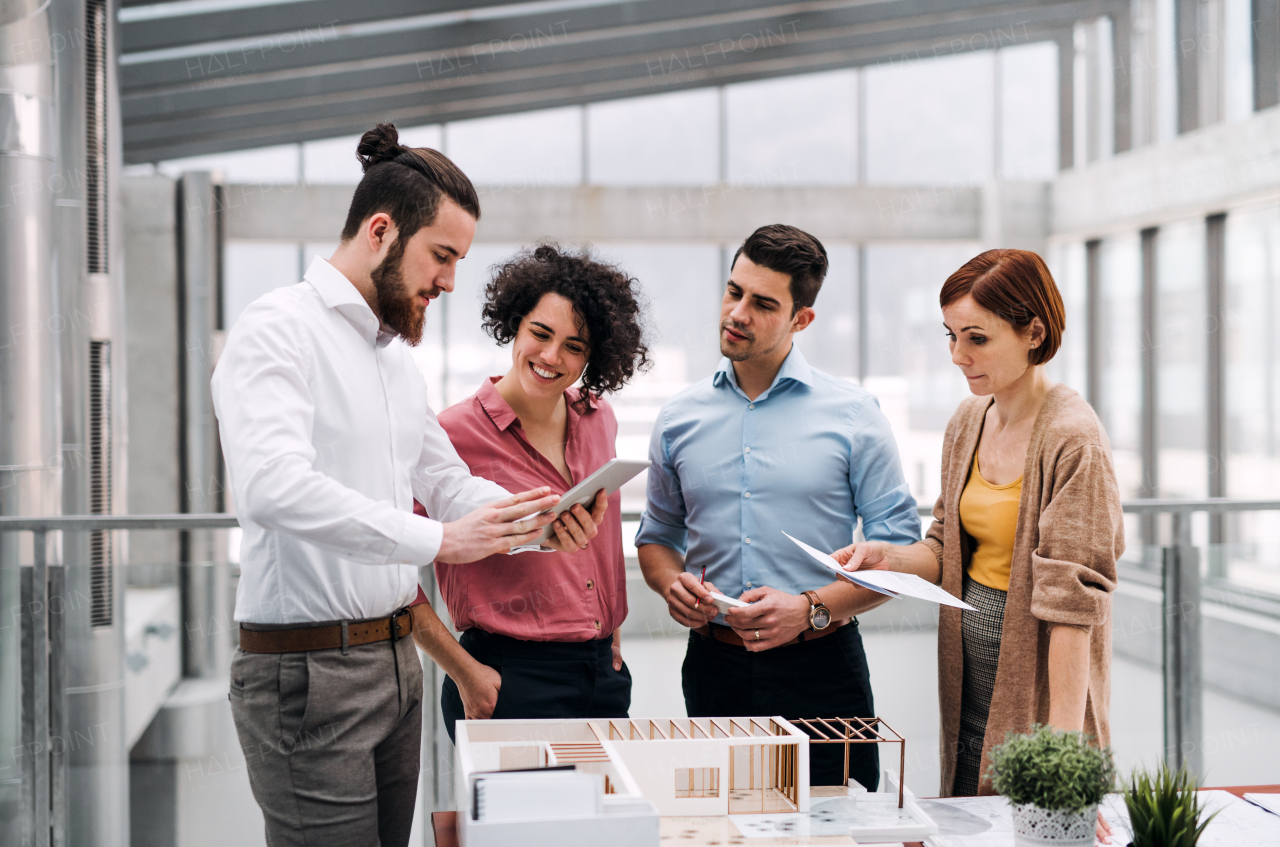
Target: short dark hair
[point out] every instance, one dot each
(790, 251)
(1016, 286)
(607, 304)
(406, 183)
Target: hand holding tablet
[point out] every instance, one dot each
(610, 477)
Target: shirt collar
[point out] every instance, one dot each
(340, 294)
(498, 410)
(795, 368)
(501, 413)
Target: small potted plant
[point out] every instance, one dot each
(1165, 808)
(1054, 780)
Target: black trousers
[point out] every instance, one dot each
(545, 679)
(824, 678)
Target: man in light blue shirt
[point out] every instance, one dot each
(765, 445)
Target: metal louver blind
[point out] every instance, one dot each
(95, 50)
(101, 577)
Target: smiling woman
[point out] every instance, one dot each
(542, 628)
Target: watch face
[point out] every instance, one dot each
(820, 618)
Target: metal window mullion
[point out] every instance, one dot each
(1186, 19)
(1122, 79)
(1183, 651)
(1265, 15)
(1093, 327)
(39, 610)
(1149, 428)
(1066, 99)
(1215, 281)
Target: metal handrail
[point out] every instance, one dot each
(90, 523)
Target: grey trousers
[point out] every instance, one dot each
(332, 742)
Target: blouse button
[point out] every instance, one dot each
(591, 583)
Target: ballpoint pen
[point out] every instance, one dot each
(701, 580)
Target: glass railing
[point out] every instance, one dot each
(52, 592)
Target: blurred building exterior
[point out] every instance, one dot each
(165, 164)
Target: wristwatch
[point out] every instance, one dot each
(819, 614)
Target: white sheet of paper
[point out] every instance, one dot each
(970, 821)
(1270, 802)
(1237, 822)
(887, 582)
(723, 603)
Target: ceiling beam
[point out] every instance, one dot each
(173, 31)
(713, 213)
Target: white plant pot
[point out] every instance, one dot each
(1037, 827)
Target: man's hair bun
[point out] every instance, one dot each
(380, 144)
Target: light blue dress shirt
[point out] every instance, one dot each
(809, 456)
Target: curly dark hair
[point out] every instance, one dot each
(606, 303)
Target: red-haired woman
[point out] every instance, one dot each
(1027, 529)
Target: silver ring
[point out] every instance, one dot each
(757, 635)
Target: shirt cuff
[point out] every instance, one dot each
(420, 540)
(655, 532)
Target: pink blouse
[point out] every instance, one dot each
(536, 596)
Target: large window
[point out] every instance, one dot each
(1120, 357)
(1251, 360)
(1066, 262)
(1180, 346)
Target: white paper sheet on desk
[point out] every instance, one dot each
(1237, 823)
(1270, 802)
(970, 821)
(887, 582)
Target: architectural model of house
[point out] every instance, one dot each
(512, 786)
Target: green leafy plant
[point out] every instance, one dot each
(1055, 770)
(1165, 808)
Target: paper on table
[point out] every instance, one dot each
(1270, 802)
(1236, 823)
(887, 582)
(970, 821)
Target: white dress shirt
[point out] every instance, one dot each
(328, 437)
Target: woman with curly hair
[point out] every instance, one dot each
(542, 628)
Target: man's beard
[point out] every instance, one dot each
(740, 355)
(398, 308)
(753, 348)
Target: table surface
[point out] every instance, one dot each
(444, 825)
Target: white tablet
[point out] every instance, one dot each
(610, 476)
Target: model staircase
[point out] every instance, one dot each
(585, 751)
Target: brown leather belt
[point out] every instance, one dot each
(726, 635)
(325, 637)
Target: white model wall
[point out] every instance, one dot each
(653, 765)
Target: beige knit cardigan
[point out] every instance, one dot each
(1070, 534)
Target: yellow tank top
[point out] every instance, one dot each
(989, 513)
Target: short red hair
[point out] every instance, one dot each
(1015, 285)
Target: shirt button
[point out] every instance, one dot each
(748, 494)
(751, 405)
(591, 583)
(748, 450)
(748, 585)
(748, 540)
(597, 624)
